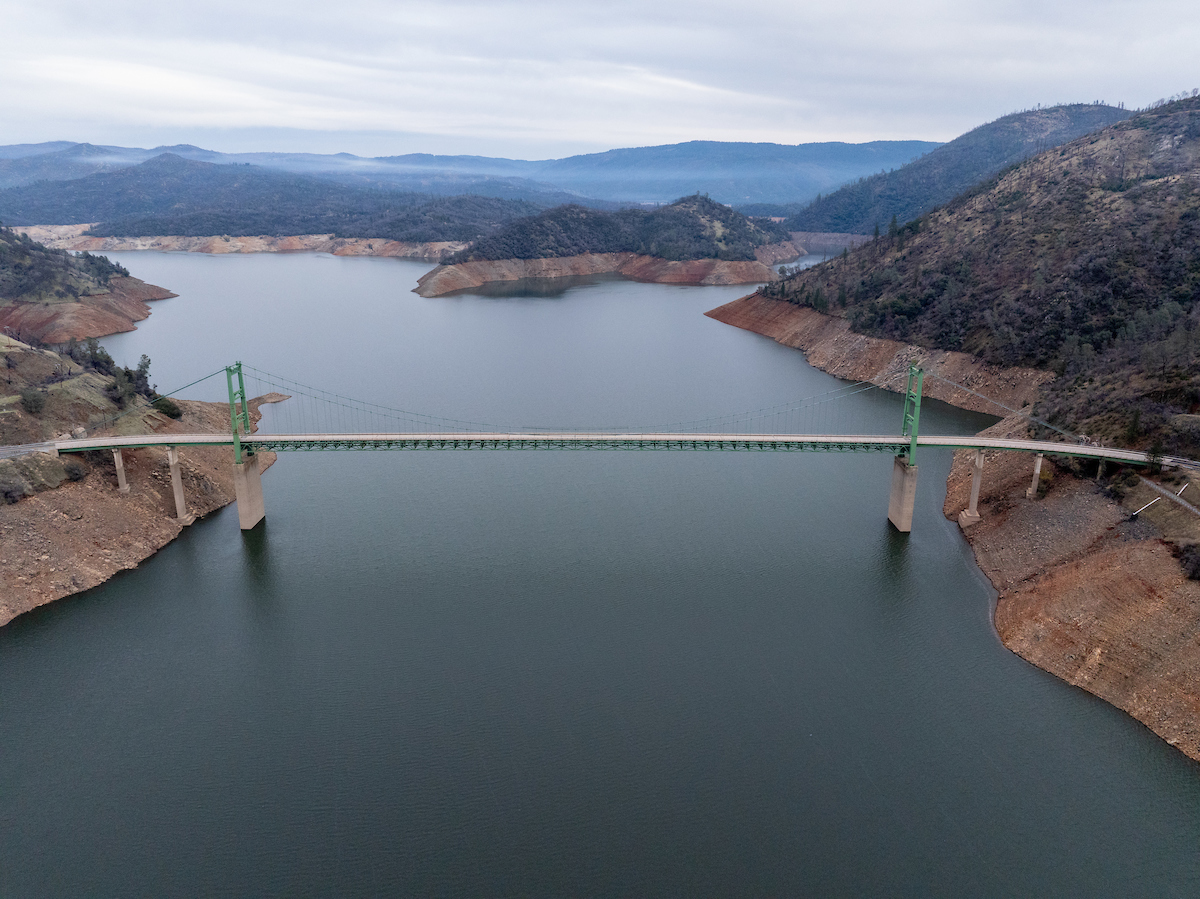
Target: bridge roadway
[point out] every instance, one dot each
(838, 443)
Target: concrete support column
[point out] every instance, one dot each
(181, 511)
(903, 496)
(1032, 492)
(970, 514)
(247, 483)
(119, 461)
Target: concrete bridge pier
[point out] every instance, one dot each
(903, 496)
(1032, 492)
(181, 511)
(970, 515)
(247, 484)
(119, 461)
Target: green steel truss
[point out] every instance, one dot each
(712, 443)
(912, 409)
(616, 442)
(239, 418)
(245, 443)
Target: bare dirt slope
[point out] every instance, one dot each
(447, 279)
(65, 540)
(830, 345)
(126, 302)
(1084, 592)
(73, 237)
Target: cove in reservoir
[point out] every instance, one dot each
(554, 673)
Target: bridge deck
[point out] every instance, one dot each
(842, 443)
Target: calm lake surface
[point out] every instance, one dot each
(555, 673)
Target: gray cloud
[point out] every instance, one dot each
(543, 79)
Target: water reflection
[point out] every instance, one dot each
(540, 288)
(256, 563)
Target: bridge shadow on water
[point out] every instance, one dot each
(258, 570)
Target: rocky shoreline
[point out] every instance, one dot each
(126, 302)
(65, 540)
(72, 237)
(1084, 592)
(444, 279)
(830, 345)
(447, 279)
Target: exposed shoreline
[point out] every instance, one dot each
(78, 535)
(126, 302)
(829, 344)
(1083, 593)
(72, 237)
(444, 279)
(447, 279)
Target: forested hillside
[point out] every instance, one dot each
(690, 228)
(1084, 259)
(30, 272)
(176, 196)
(939, 176)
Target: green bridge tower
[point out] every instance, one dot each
(904, 471)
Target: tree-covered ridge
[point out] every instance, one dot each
(690, 228)
(183, 197)
(31, 272)
(952, 168)
(1084, 259)
(435, 219)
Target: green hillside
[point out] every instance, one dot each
(30, 272)
(1084, 259)
(952, 168)
(690, 228)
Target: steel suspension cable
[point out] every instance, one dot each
(1002, 406)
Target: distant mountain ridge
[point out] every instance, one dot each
(947, 171)
(168, 194)
(729, 172)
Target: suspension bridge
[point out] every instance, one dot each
(313, 419)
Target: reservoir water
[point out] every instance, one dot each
(554, 673)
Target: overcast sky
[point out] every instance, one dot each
(536, 79)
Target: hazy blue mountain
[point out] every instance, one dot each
(952, 168)
(172, 195)
(15, 151)
(728, 172)
(72, 161)
(164, 184)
